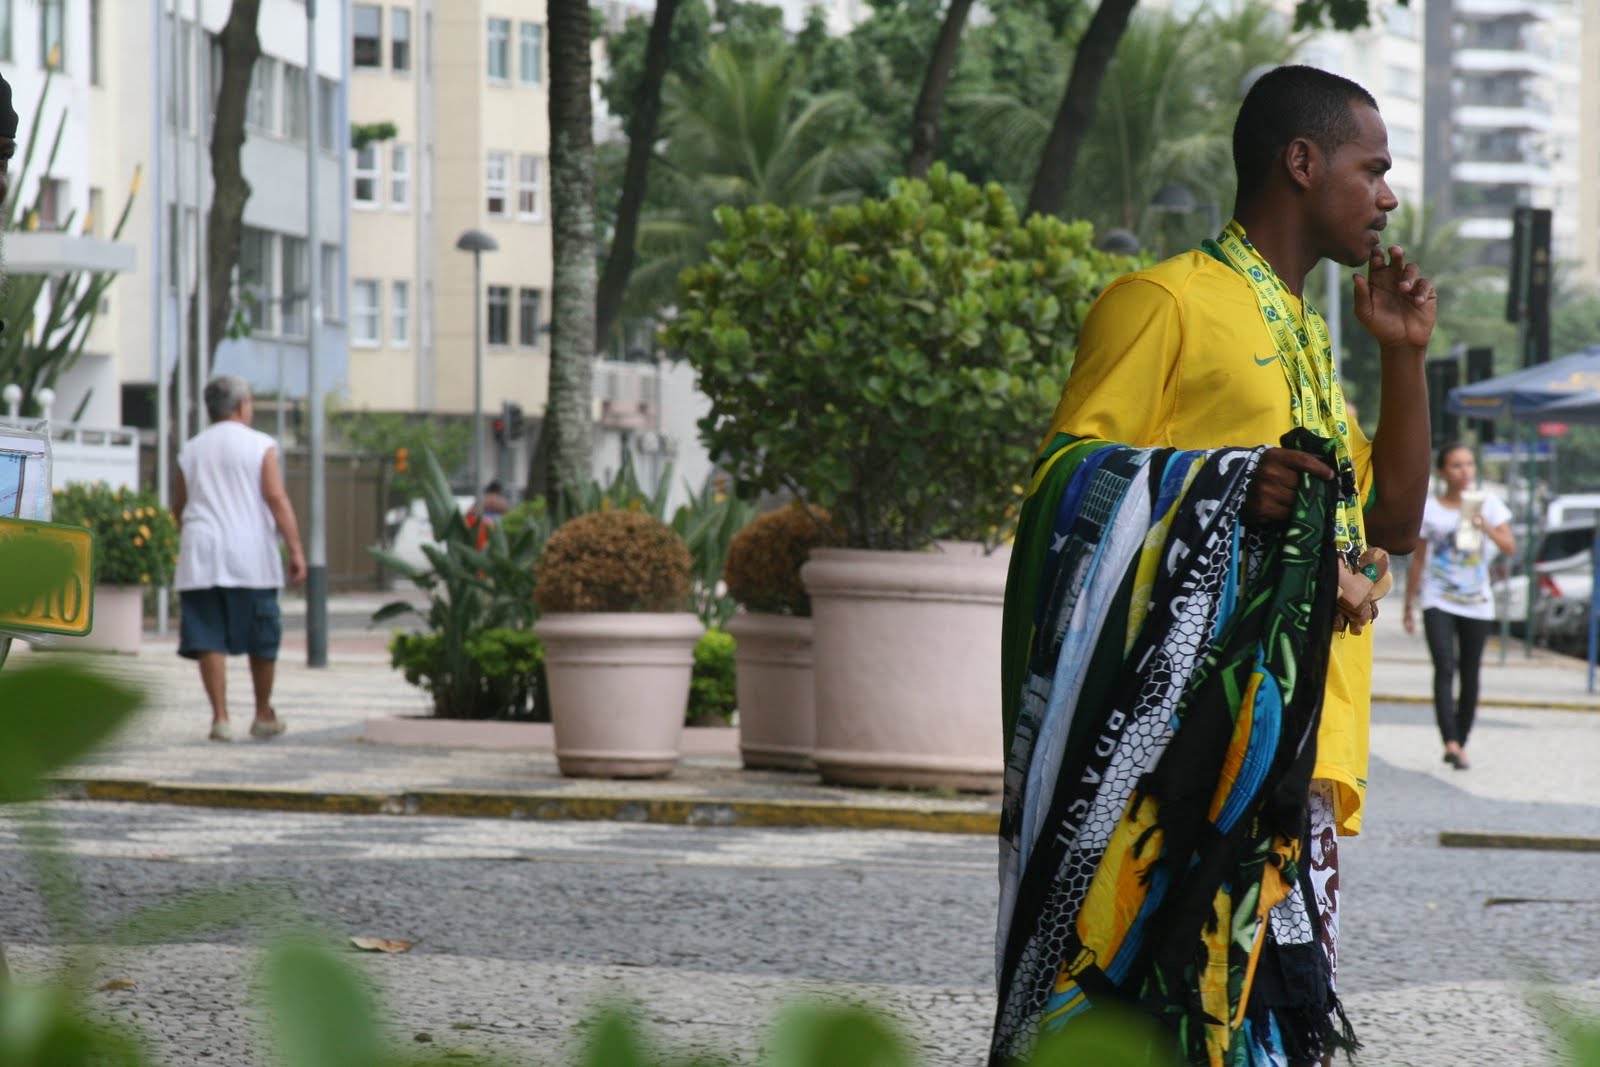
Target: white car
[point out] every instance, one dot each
(1564, 570)
(409, 530)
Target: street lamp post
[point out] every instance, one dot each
(477, 242)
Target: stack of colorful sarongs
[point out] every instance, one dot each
(1163, 668)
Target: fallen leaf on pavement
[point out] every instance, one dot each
(117, 984)
(381, 944)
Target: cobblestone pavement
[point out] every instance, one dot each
(522, 927)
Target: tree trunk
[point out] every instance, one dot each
(241, 47)
(565, 456)
(1089, 64)
(636, 178)
(930, 102)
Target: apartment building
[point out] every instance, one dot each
(1588, 262)
(276, 311)
(448, 103)
(1503, 100)
(53, 53)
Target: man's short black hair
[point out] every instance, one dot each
(1290, 102)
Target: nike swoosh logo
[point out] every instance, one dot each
(1264, 362)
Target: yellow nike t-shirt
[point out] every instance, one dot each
(1177, 356)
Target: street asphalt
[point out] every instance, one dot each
(718, 895)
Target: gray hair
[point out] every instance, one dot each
(224, 394)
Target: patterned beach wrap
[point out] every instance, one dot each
(1163, 668)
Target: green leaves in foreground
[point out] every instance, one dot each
(51, 716)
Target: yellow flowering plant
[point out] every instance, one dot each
(135, 538)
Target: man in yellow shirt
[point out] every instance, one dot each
(1216, 348)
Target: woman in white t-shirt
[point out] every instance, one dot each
(1451, 572)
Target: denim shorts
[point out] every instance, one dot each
(230, 620)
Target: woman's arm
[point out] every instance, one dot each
(1414, 579)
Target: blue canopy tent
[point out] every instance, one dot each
(1529, 393)
(1565, 390)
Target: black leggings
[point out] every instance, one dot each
(1444, 631)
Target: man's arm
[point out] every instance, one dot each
(180, 499)
(277, 499)
(1397, 306)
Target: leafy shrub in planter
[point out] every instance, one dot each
(614, 561)
(135, 538)
(472, 594)
(504, 667)
(712, 697)
(895, 361)
(764, 559)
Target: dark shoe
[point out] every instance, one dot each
(1461, 762)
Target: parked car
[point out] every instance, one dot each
(1564, 569)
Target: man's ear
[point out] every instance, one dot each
(1303, 161)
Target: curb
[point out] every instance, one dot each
(541, 806)
(1495, 702)
(1536, 842)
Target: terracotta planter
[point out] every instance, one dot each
(776, 690)
(118, 622)
(907, 648)
(619, 688)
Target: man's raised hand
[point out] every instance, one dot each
(1395, 302)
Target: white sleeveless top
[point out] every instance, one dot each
(229, 537)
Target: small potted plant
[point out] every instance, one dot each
(772, 654)
(135, 548)
(613, 597)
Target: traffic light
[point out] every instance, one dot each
(402, 460)
(500, 430)
(513, 417)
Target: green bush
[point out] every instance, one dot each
(894, 362)
(472, 593)
(135, 538)
(504, 673)
(711, 687)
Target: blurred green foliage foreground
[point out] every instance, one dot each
(321, 1011)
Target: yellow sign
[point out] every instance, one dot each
(68, 607)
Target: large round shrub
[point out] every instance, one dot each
(895, 362)
(614, 560)
(764, 559)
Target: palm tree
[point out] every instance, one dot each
(744, 135)
(1165, 115)
(565, 450)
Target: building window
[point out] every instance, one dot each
(292, 289)
(400, 315)
(260, 110)
(255, 278)
(52, 34)
(496, 184)
(528, 204)
(528, 323)
(94, 40)
(499, 325)
(400, 38)
(294, 103)
(53, 203)
(499, 50)
(328, 117)
(530, 56)
(366, 176)
(365, 296)
(400, 176)
(1403, 141)
(366, 42)
(332, 305)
